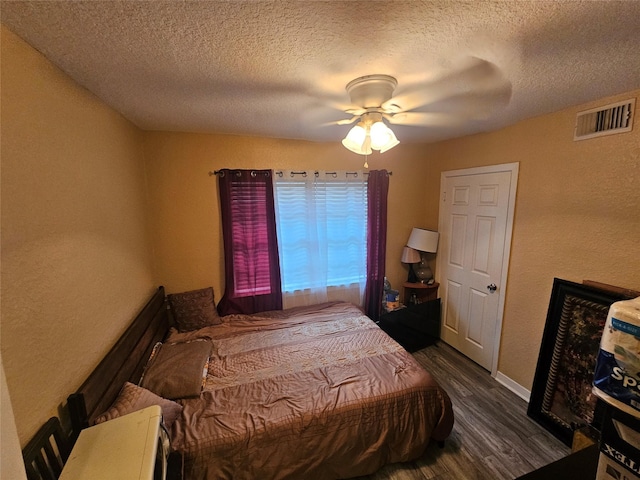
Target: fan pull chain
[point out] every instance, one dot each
(366, 162)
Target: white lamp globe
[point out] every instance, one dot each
(379, 135)
(355, 140)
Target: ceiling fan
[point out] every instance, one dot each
(471, 92)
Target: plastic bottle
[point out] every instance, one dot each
(387, 286)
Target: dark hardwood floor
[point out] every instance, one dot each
(492, 439)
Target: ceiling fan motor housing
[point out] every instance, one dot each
(371, 91)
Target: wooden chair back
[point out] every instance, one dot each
(46, 453)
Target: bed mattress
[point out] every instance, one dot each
(312, 392)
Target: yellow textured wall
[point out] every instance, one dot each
(185, 221)
(78, 241)
(577, 216)
(76, 263)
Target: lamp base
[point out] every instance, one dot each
(423, 272)
(412, 278)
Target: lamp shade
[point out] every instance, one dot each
(409, 255)
(424, 240)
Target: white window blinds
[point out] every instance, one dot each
(321, 220)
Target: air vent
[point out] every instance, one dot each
(607, 120)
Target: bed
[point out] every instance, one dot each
(311, 392)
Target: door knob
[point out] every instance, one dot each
(492, 288)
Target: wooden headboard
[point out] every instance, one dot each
(124, 362)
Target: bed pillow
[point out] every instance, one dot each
(133, 398)
(178, 370)
(194, 310)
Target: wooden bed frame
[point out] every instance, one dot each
(128, 357)
(124, 362)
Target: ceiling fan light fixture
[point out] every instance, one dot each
(392, 142)
(380, 135)
(366, 136)
(370, 93)
(366, 146)
(357, 140)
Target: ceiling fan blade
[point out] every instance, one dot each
(348, 121)
(475, 105)
(355, 111)
(324, 114)
(425, 119)
(468, 75)
(344, 121)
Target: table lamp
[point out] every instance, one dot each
(425, 241)
(410, 256)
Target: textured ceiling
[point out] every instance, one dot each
(279, 69)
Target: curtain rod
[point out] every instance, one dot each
(217, 172)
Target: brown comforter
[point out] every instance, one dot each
(311, 393)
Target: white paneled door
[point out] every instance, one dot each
(476, 214)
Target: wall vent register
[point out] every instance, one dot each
(606, 120)
(133, 447)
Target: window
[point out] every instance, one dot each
(321, 221)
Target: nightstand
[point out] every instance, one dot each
(415, 326)
(423, 291)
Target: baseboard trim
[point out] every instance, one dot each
(516, 388)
